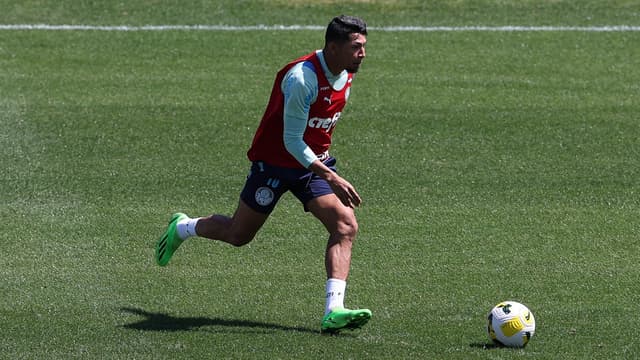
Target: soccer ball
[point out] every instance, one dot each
(511, 324)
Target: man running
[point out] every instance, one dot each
(290, 152)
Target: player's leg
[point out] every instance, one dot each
(341, 223)
(262, 190)
(237, 230)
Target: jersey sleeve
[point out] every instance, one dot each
(300, 89)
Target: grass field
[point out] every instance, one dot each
(493, 166)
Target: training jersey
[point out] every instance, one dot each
(323, 104)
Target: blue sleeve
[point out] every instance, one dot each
(300, 89)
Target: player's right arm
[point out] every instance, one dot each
(300, 89)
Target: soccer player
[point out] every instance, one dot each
(290, 152)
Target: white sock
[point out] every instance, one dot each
(335, 294)
(187, 228)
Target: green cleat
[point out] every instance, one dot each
(341, 318)
(169, 242)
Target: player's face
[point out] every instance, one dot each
(351, 53)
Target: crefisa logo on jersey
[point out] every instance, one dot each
(327, 124)
(264, 196)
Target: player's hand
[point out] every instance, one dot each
(345, 192)
(341, 187)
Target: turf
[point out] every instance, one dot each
(493, 166)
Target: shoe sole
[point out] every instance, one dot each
(357, 321)
(162, 247)
(163, 242)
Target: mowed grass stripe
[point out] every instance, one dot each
(510, 28)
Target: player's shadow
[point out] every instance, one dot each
(163, 322)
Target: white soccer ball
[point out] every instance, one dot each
(511, 324)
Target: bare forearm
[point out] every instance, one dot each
(341, 187)
(320, 169)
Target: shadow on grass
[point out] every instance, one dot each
(164, 322)
(486, 346)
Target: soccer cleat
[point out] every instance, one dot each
(341, 318)
(169, 241)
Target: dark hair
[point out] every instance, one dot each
(341, 27)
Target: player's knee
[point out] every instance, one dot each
(347, 228)
(240, 239)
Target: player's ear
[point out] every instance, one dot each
(332, 47)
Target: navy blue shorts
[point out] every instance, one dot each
(266, 183)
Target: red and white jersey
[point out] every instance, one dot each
(268, 142)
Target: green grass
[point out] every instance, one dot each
(377, 12)
(493, 166)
